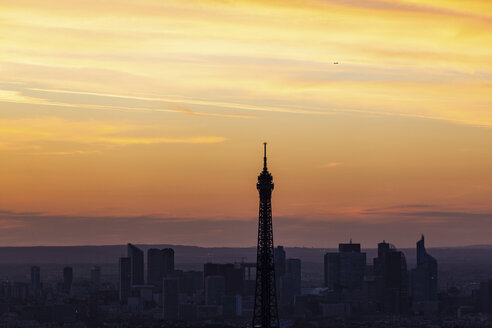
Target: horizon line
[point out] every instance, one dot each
(198, 246)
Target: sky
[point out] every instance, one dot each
(143, 121)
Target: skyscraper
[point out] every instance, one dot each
(423, 278)
(390, 269)
(345, 269)
(265, 308)
(125, 278)
(279, 261)
(293, 269)
(136, 256)
(291, 281)
(168, 261)
(332, 270)
(160, 263)
(154, 267)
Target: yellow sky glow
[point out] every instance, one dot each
(131, 108)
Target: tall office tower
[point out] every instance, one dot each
(233, 276)
(168, 261)
(155, 267)
(136, 256)
(67, 279)
(125, 278)
(332, 270)
(170, 298)
(291, 282)
(345, 269)
(35, 280)
(265, 308)
(423, 279)
(293, 270)
(390, 269)
(160, 264)
(214, 290)
(279, 261)
(95, 277)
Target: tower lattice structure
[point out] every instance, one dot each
(266, 311)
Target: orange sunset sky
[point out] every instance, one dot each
(143, 121)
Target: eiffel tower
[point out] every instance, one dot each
(266, 311)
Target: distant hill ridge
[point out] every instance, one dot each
(479, 254)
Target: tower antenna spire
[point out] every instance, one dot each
(265, 313)
(264, 156)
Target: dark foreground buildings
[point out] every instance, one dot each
(379, 293)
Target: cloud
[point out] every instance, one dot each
(238, 65)
(24, 229)
(396, 207)
(426, 212)
(160, 105)
(148, 141)
(332, 164)
(44, 135)
(176, 104)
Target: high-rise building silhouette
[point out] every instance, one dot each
(67, 279)
(168, 261)
(154, 267)
(345, 269)
(291, 281)
(423, 279)
(125, 278)
(390, 269)
(160, 263)
(136, 256)
(279, 261)
(265, 307)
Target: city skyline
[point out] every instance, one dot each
(143, 121)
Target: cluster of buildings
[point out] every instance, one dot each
(351, 286)
(146, 288)
(38, 304)
(383, 287)
(221, 290)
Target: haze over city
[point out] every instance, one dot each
(143, 121)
